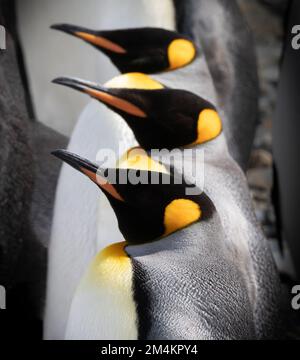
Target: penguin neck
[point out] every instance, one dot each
(184, 78)
(218, 34)
(214, 150)
(199, 236)
(206, 69)
(192, 161)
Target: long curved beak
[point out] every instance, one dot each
(103, 94)
(75, 161)
(97, 38)
(84, 86)
(69, 29)
(91, 170)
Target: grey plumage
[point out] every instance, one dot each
(228, 48)
(226, 185)
(184, 287)
(238, 234)
(218, 27)
(44, 140)
(27, 185)
(16, 167)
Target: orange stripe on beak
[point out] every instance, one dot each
(102, 42)
(103, 183)
(116, 102)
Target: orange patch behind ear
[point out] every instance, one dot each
(180, 53)
(179, 214)
(209, 126)
(102, 42)
(103, 183)
(116, 102)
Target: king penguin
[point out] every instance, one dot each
(173, 278)
(166, 118)
(62, 276)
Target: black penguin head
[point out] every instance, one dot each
(147, 50)
(147, 200)
(160, 117)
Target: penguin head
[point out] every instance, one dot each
(160, 117)
(147, 50)
(149, 200)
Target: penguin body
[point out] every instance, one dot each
(26, 170)
(185, 285)
(226, 185)
(198, 293)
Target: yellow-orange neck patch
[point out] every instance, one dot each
(111, 265)
(103, 306)
(179, 214)
(137, 158)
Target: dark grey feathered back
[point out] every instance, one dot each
(28, 177)
(16, 166)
